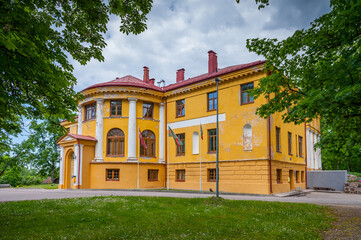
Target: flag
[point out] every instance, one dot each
(176, 139)
(200, 125)
(142, 139)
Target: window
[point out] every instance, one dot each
(181, 148)
(212, 140)
(298, 176)
(149, 140)
(279, 175)
(90, 111)
(116, 108)
(278, 139)
(300, 148)
(152, 174)
(180, 175)
(247, 137)
(289, 143)
(302, 176)
(212, 101)
(245, 96)
(112, 174)
(212, 175)
(115, 143)
(148, 110)
(195, 143)
(180, 108)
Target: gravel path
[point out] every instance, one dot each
(322, 198)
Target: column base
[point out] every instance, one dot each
(132, 159)
(161, 161)
(98, 160)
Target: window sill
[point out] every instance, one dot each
(278, 151)
(180, 180)
(179, 116)
(114, 156)
(246, 103)
(211, 180)
(109, 180)
(211, 110)
(152, 180)
(279, 182)
(180, 155)
(92, 119)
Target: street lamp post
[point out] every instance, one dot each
(218, 80)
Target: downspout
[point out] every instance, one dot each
(305, 155)
(166, 141)
(78, 164)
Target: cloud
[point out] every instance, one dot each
(180, 33)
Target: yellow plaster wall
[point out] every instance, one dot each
(299, 130)
(235, 176)
(127, 176)
(284, 186)
(231, 130)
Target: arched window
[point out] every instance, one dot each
(195, 141)
(115, 143)
(149, 139)
(247, 137)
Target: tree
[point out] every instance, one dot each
(316, 73)
(41, 149)
(36, 39)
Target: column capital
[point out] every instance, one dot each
(161, 104)
(132, 99)
(99, 100)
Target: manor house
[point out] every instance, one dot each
(120, 139)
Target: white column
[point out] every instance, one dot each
(61, 166)
(312, 151)
(132, 131)
(80, 119)
(308, 144)
(99, 131)
(161, 133)
(319, 153)
(81, 164)
(76, 163)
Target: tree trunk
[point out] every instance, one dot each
(52, 174)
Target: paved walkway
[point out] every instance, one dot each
(322, 198)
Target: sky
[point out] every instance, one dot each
(180, 33)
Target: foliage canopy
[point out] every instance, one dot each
(316, 72)
(36, 39)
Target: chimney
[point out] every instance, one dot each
(146, 74)
(151, 81)
(212, 62)
(180, 75)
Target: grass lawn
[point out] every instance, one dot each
(43, 185)
(160, 218)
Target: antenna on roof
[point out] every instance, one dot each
(161, 83)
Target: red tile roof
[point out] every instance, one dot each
(80, 137)
(207, 76)
(126, 81)
(136, 82)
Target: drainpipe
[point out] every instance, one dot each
(79, 164)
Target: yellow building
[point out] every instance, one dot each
(103, 149)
